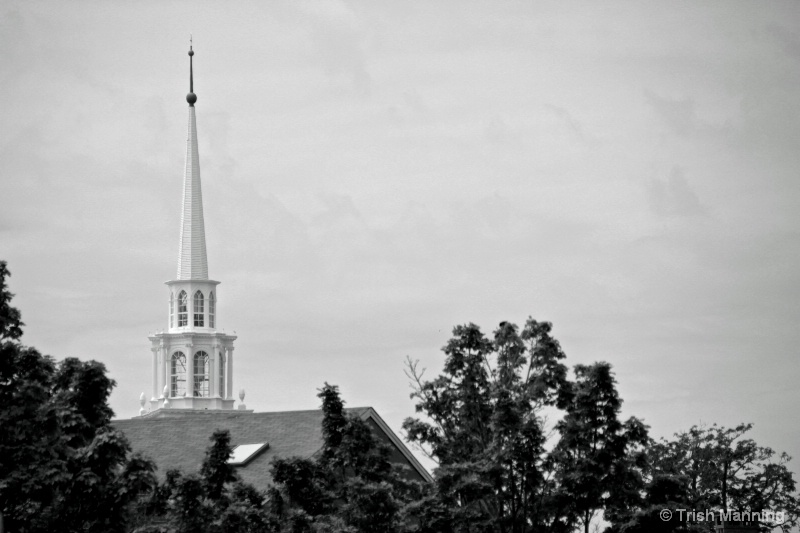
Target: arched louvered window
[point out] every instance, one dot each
(171, 309)
(221, 388)
(198, 309)
(178, 375)
(212, 311)
(200, 375)
(183, 312)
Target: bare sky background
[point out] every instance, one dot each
(375, 173)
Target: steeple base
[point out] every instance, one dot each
(196, 404)
(180, 413)
(192, 370)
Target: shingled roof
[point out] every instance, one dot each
(179, 439)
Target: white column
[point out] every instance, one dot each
(189, 370)
(223, 365)
(164, 361)
(154, 349)
(212, 371)
(229, 371)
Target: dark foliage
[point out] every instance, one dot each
(485, 428)
(714, 468)
(211, 501)
(502, 466)
(62, 466)
(599, 460)
(216, 471)
(351, 486)
(10, 317)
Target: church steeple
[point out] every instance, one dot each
(192, 360)
(192, 259)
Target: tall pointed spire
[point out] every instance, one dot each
(193, 359)
(192, 259)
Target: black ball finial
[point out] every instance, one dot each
(191, 97)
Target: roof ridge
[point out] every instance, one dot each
(189, 413)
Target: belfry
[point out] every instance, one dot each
(192, 361)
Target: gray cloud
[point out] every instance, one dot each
(574, 125)
(338, 37)
(674, 196)
(499, 132)
(787, 38)
(677, 114)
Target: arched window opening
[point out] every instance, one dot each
(212, 311)
(171, 309)
(178, 375)
(183, 312)
(198, 309)
(201, 375)
(221, 387)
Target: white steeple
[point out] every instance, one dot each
(192, 259)
(192, 361)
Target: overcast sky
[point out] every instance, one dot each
(375, 173)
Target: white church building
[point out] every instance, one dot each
(192, 360)
(193, 371)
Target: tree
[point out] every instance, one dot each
(62, 466)
(216, 472)
(661, 492)
(485, 428)
(10, 318)
(213, 500)
(724, 470)
(599, 460)
(350, 486)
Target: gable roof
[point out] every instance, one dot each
(179, 439)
